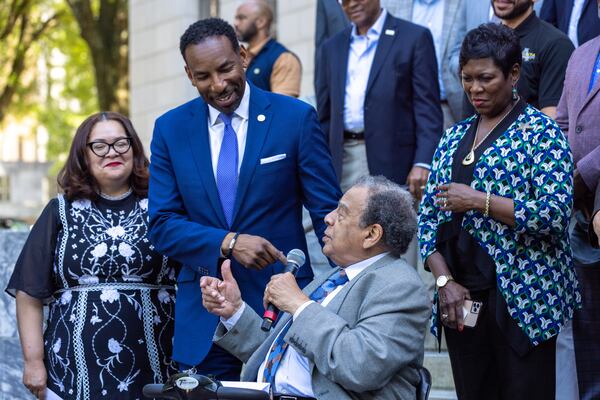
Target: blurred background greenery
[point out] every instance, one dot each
(60, 61)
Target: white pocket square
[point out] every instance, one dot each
(271, 159)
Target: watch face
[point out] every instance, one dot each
(441, 281)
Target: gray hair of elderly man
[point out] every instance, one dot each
(390, 206)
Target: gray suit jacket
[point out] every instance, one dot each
(453, 32)
(366, 343)
(331, 19)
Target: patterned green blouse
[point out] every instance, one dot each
(530, 163)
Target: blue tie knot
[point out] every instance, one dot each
(226, 118)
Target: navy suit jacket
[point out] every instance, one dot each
(402, 112)
(558, 13)
(186, 217)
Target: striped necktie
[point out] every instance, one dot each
(279, 345)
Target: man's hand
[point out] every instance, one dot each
(416, 181)
(34, 378)
(254, 252)
(596, 224)
(221, 297)
(283, 292)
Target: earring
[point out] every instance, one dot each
(515, 95)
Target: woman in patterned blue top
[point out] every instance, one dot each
(110, 295)
(493, 228)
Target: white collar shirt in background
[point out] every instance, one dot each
(360, 59)
(239, 122)
(293, 374)
(574, 21)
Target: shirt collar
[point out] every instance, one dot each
(355, 269)
(242, 111)
(375, 30)
(256, 49)
(527, 25)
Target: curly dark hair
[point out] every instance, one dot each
(495, 41)
(205, 28)
(390, 206)
(75, 178)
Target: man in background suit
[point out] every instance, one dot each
(578, 115)
(445, 21)
(378, 97)
(577, 18)
(230, 172)
(330, 21)
(356, 332)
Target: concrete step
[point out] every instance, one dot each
(438, 365)
(442, 395)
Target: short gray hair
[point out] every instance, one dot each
(390, 206)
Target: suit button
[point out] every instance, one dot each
(578, 129)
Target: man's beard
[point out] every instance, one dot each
(249, 34)
(519, 9)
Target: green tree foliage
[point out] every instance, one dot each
(22, 24)
(103, 25)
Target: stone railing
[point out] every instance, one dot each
(11, 362)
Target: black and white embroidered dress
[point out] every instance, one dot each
(111, 297)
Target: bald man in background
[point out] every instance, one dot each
(271, 66)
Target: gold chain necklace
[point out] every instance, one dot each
(470, 157)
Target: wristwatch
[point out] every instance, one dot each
(443, 280)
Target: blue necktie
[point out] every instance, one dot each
(227, 168)
(279, 346)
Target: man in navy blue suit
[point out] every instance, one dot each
(230, 173)
(378, 97)
(577, 18)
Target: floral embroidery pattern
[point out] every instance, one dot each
(96, 342)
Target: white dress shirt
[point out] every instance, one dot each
(293, 374)
(239, 122)
(360, 59)
(430, 14)
(574, 21)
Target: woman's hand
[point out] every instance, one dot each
(451, 298)
(457, 197)
(34, 378)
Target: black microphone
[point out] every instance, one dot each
(295, 259)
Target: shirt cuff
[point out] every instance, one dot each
(423, 165)
(301, 308)
(231, 321)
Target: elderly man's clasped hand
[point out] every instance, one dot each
(223, 297)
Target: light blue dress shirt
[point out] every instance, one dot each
(360, 59)
(574, 21)
(430, 14)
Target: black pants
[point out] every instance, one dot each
(485, 366)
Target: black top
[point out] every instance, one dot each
(546, 51)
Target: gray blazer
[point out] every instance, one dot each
(453, 33)
(367, 343)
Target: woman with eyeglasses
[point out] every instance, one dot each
(110, 295)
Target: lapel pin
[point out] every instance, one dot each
(261, 118)
(256, 71)
(390, 32)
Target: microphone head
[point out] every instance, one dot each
(297, 257)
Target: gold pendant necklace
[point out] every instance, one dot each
(470, 157)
